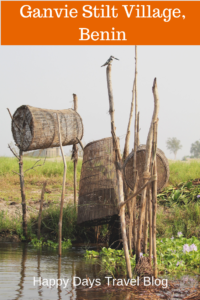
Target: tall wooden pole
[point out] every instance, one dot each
(118, 171)
(146, 225)
(40, 211)
(75, 156)
(128, 133)
(150, 220)
(21, 178)
(138, 129)
(63, 192)
(155, 124)
(154, 199)
(146, 173)
(125, 154)
(135, 173)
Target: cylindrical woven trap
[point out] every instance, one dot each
(36, 128)
(162, 168)
(98, 184)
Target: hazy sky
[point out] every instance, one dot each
(47, 76)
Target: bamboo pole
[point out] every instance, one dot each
(125, 154)
(21, 178)
(128, 133)
(135, 173)
(40, 211)
(63, 193)
(146, 225)
(75, 156)
(154, 167)
(154, 201)
(138, 129)
(150, 220)
(118, 171)
(146, 173)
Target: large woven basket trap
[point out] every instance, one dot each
(98, 184)
(36, 128)
(162, 168)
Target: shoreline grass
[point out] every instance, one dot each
(52, 171)
(179, 215)
(183, 171)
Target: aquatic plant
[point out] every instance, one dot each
(173, 255)
(112, 261)
(41, 243)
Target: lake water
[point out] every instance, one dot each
(23, 268)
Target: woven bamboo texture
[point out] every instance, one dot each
(162, 168)
(36, 128)
(98, 184)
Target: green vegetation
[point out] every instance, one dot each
(50, 218)
(41, 243)
(49, 228)
(12, 225)
(173, 255)
(183, 171)
(52, 171)
(185, 218)
(112, 261)
(49, 169)
(178, 254)
(182, 193)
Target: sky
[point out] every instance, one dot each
(47, 76)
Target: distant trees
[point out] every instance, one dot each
(173, 144)
(195, 149)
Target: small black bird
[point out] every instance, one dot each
(109, 61)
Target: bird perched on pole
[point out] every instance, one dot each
(109, 61)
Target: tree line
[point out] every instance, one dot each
(173, 145)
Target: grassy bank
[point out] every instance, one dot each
(179, 206)
(52, 171)
(181, 171)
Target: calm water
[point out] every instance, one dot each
(21, 264)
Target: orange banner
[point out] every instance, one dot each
(100, 23)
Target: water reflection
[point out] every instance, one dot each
(20, 264)
(38, 272)
(22, 273)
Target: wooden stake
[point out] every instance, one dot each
(154, 198)
(133, 220)
(154, 201)
(63, 192)
(75, 155)
(125, 154)
(146, 226)
(150, 220)
(21, 178)
(138, 129)
(40, 211)
(154, 167)
(128, 133)
(135, 173)
(118, 171)
(146, 173)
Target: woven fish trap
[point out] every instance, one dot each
(36, 128)
(162, 168)
(98, 184)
